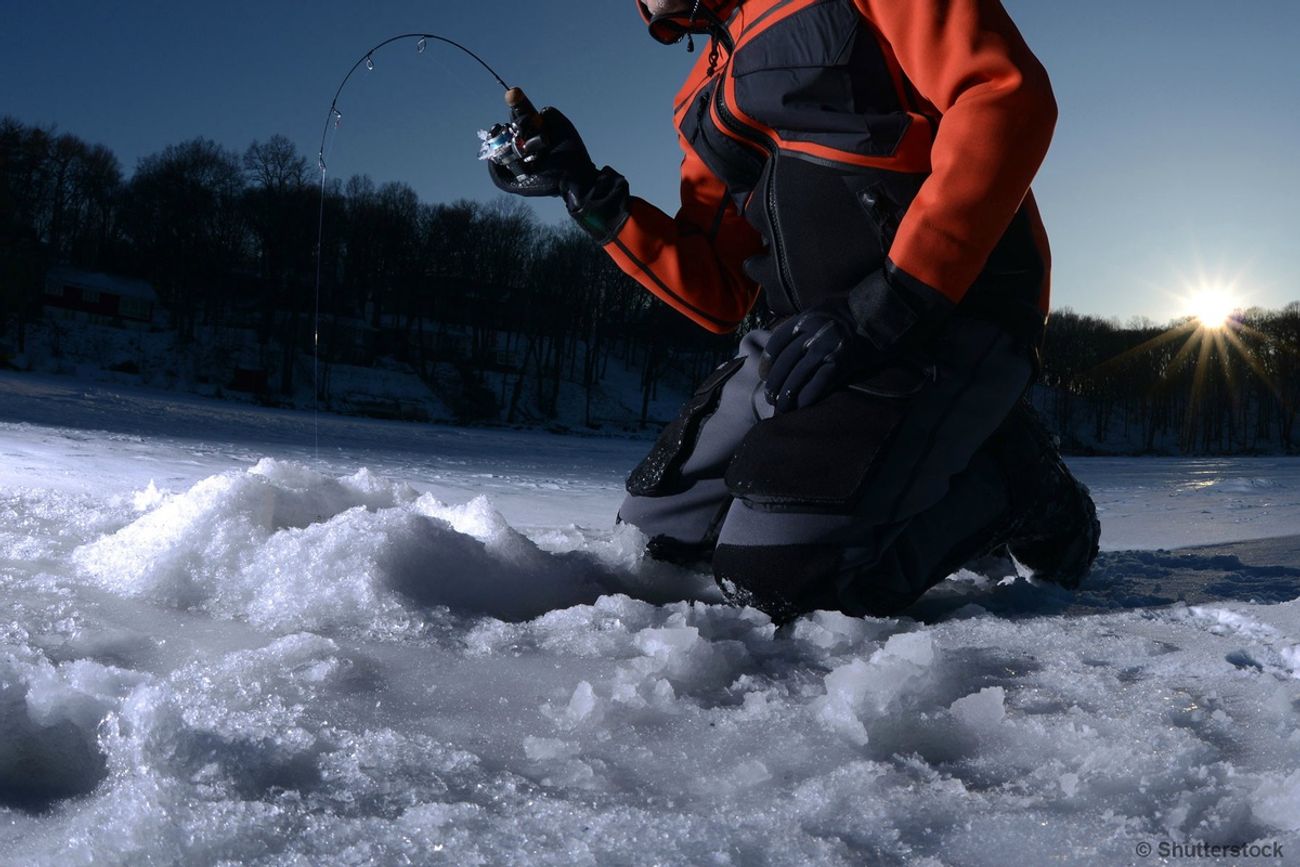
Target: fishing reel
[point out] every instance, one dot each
(515, 145)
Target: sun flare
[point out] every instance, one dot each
(1213, 307)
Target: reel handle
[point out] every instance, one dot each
(526, 118)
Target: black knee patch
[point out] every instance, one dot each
(818, 458)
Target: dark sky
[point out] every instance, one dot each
(1174, 163)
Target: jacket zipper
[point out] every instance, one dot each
(766, 144)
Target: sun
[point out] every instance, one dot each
(1213, 325)
(1213, 306)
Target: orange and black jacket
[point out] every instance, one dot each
(828, 140)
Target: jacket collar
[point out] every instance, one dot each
(710, 19)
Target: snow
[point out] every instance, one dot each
(223, 643)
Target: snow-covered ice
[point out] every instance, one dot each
(222, 642)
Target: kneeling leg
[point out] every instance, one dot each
(788, 564)
(677, 495)
(863, 501)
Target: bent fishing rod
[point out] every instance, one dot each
(514, 145)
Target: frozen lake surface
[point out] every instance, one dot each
(236, 635)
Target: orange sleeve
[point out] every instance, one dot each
(968, 60)
(692, 261)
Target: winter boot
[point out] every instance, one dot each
(1054, 529)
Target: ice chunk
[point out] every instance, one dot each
(1277, 801)
(50, 717)
(237, 723)
(544, 749)
(148, 498)
(679, 662)
(848, 683)
(914, 647)
(830, 629)
(581, 704)
(981, 710)
(668, 644)
(865, 689)
(846, 687)
(898, 667)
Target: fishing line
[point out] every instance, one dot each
(335, 117)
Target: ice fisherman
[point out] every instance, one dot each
(860, 171)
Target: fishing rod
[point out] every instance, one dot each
(334, 116)
(505, 143)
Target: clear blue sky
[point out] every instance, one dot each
(1175, 155)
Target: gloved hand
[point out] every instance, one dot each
(596, 199)
(561, 165)
(814, 352)
(811, 353)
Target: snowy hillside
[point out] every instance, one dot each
(235, 635)
(210, 365)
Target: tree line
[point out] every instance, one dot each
(228, 240)
(1179, 388)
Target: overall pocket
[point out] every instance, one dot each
(659, 473)
(820, 458)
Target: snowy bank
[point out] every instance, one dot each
(452, 657)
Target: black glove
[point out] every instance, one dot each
(596, 199)
(812, 353)
(560, 162)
